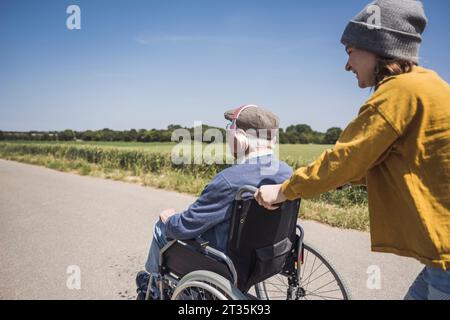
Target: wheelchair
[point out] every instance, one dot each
(266, 259)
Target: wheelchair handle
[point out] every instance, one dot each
(243, 190)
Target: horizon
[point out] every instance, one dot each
(149, 129)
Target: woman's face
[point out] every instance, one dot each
(363, 64)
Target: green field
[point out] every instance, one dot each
(299, 152)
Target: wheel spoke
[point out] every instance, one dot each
(328, 291)
(326, 272)
(304, 262)
(325, 285)
(281, 279)
(304, 280)
(324, 297)
(312, 268)
(276, 286)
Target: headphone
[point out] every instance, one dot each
(237, 137)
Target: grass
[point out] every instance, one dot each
(354, 217)
(145, 164)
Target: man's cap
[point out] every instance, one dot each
(253, 117)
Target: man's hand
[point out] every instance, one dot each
(269, 196)
(166, 214)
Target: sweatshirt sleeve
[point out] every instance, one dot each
(208, 210)
(360, 182)
(363, 142)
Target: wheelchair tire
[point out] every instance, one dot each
(206, 285)
(273, 288)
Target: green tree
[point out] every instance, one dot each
(45, 137)
(141, 135)
(300, 128)
(282, 137)
(332, 135)
(294, 137)
(107, 135)
(299, 134)
(67, 135)
(133, 135)
(89, 135)
(174, 127)
(166, 136)
(149, 136)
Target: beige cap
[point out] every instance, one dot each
(254, 117)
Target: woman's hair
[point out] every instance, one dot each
(391, 67)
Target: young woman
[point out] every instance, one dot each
(399, 145)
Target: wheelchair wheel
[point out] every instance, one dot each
(319, 280)
(206, 285)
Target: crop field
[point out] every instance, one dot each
(297, 152)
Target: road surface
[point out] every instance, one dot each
(54, 226)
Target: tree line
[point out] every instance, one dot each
(295, 134)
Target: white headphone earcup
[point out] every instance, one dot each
(241, 141)
(238, 141)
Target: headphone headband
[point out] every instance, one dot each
(238, 111)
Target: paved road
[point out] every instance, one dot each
(51, 220)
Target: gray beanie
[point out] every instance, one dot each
(389, 28)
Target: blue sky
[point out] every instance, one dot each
(148, 64)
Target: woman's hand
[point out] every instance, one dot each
(166, 214)
(269, 196)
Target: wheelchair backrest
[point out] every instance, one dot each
(260, 240)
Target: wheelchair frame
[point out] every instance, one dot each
(202, 247)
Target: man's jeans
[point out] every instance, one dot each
(159, 240)
(431, 284)
(152, 265)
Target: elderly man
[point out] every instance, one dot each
(251, 138)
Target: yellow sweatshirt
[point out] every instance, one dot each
(400, 146)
